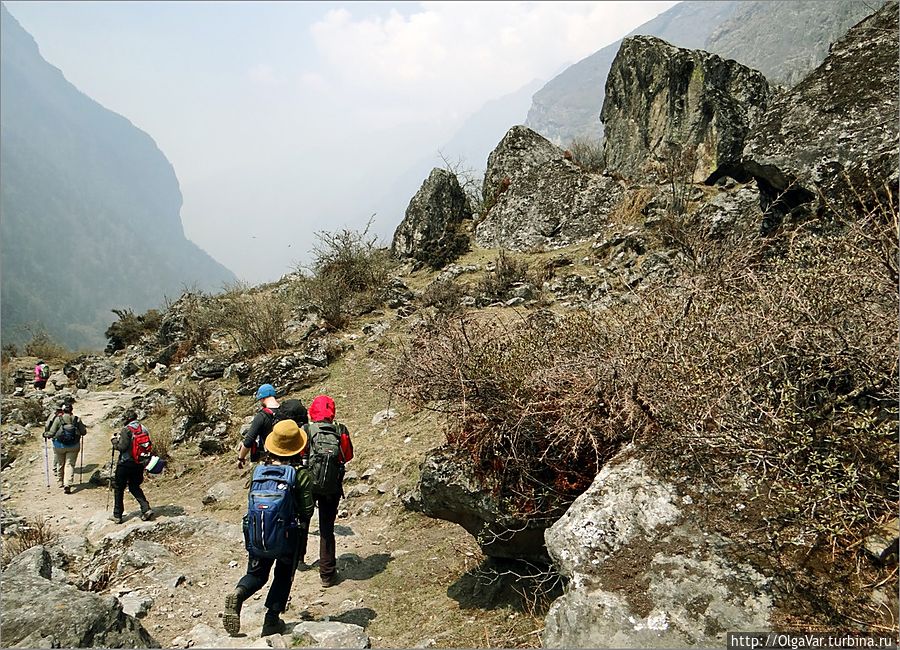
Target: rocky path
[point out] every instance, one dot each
(174, 572)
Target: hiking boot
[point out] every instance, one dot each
(147, 516)
(231, 618)
(272, 624)
(67, 490)
(116, 518)
(330, 581)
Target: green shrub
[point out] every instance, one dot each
(130, 329)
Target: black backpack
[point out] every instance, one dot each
(289, 409)
(326, 462)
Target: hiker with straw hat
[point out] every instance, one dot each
(278, 540)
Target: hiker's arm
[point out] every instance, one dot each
(122, 442)
(52, 427)
(250, 437)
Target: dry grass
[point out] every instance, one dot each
(34, 532)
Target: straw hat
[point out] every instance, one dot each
(286, 439)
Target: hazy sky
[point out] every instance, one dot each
(283, 119)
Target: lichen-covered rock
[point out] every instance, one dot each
(556, 203)
(835, 133)
(41, 613)
(662, 100)
(520, 152)
(449, 490)
(432, 230)
(642, 573)
(329, 634)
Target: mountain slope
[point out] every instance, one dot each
(90, 207)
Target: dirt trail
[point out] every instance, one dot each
(391, 562)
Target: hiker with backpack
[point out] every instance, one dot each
(279, 507)
(50, 420)
(41, 374)
(271, 411)
(66, 432)
(135, 452)
(329, 449)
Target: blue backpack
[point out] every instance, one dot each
(270, 512)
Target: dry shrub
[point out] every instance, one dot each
(350, 275)
(507, 271)
(192, 402)
(443, 295)
(34, 532)
(536, 415)
(129, 329)
(43, 346)
(631, 209)
(773, 358)
(255, 321)
(587, 153)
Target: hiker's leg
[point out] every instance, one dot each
(59, 463)
(257, 574)
(120, 479)
(282, 578)
(328, 507)
(135, 478)
(69, 470)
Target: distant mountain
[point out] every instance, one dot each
(783, 40)
(90, 207)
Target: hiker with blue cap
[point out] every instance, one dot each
(270, 412)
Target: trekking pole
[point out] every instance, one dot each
(81, 467)
(46, 463)
(112, 456)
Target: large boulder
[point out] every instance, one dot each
(537, 197)
(520, 152)
(663, 102)
(41, 613)
(432, 230)
(555, 204)
(642, 574)
(449, 490)
(833, 139)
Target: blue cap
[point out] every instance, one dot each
(266, 390)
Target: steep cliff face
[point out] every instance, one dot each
(783, 40)
(659, 96)
(91, 206)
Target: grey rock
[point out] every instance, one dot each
(143, 553)
(832, 135)
(520, 152)
(317, 634)
(448, 490)
(657, 94)
(216, 493)
(136, 604)
(691, 589)
(432, 229)
(40, 613)
(383, 416)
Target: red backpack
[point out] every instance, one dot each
(141, 447)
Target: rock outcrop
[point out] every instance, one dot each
(39, 612)
(432, 230)
(449, 490)
(641, 574)
(835, 134)
(662, 100)
(537, 197)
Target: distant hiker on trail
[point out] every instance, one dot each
(135, 451)
(278, 512)
(66, 431)
(270, 412)
(59, 411)
(41, 374)
(329, 448)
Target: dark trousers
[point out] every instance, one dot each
(328, 509)
(131, 475)
(257, 575)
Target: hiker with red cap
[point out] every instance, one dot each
(328, 450)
